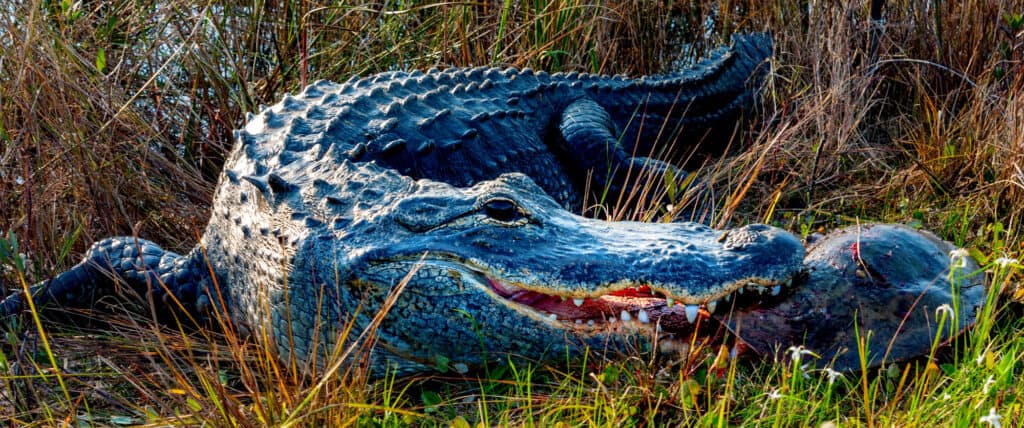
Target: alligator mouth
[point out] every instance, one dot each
(618, 307)
(639, 306)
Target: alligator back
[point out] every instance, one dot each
(461, 126)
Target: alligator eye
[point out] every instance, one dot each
(504, 210)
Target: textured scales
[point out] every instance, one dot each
(461, 185)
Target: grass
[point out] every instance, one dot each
(115, 118)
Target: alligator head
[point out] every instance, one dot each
(502, 265)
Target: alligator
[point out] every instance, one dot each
(434, 212)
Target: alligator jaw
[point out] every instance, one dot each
(603, 309)
(631, 304)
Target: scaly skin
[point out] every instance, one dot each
(460, 185)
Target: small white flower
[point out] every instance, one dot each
(804, 369)
(988, 384)
(992, 418)
(832, 375)
(796, 353)
(944, 308)
(946, 396)
(1004, 262)
(774, 395)
(19, 181)
(958, 258)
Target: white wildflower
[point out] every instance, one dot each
(944, 308)
(832, 375)
(805, 370)
(988, 384)
(992, 418)
(958, 258)
(1004, 262)
(796, 353)
(774, 395)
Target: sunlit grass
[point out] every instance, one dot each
(115, 120)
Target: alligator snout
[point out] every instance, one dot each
(687, 262)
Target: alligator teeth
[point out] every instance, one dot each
(578, 322)
(691, 313)
(776, 289)
(577, 301)
(612, 320)
(727, 297)
(553, 316)
(669, 302)
(642, 317)
(712, 304)
(740, 290)
(590, 323)
(625, 315)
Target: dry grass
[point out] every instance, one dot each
(115, 117)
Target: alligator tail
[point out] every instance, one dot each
(173, 280)
(702, 103)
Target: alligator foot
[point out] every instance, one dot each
(174, 281)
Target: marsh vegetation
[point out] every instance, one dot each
(115, 118)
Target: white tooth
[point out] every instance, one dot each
(625, 316)
(578, 322)
(553, 316)
(712, 305)
(669, 302)
(577, 301)
(740, 291)
(642, 316)
(612, 320)
(590, 323)
(776, 289)
(691, 313)
(728, 297)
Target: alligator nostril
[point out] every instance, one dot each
(741, 239)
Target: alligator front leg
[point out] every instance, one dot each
(590, 135)
(174, 281)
